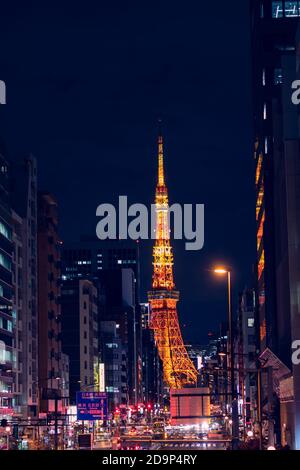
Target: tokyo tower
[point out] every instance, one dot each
(178, 368)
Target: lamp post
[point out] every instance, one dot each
(234, 401)
(53, 394)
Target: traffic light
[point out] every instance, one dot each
(3, 423)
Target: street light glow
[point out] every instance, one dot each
(220, 271)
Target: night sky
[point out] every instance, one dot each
(86, 82)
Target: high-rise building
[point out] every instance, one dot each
(80, 334)
(113, 265)
(8, 370)
(49, 309)
(152, 376)
(17, 281)
(274, 25)
(245, 357)
(115, 364)
(117, 303)
(24, 204)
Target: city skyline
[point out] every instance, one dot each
(100, 108)
(150, 226)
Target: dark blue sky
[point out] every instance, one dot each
(86, 82)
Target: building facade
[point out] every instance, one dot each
(245, 358)
(152, 376)
(115, 364)
(24, 204)
(49, 309)
(8, 363)
(274, 25)
(113, 265)
(80, 334)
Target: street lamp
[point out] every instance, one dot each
(223, 271)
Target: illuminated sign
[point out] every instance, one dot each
(101, 377)
(91, 406)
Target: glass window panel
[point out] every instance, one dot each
(291, 8)
(278, 78)
(277, 9)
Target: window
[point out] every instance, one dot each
(250, 322)
(265, 111)
(277, 9)
(264, 77)
(266, 145)
(285, 8)
(251, 340)
(262, 10)
(291, 8)
(5, 231)
(278, 78)
(111, 345)
(5, 261)
(84, 320)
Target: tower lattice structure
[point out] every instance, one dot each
(178, 368)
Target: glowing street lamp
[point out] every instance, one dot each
(220, 271)
(223, 271)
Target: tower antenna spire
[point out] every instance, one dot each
(161, 175)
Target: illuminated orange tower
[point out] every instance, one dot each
(178, 367)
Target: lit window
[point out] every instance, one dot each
(5, 261)
(291, 8)
(119, 261)
(5, 231)
(111, 345)
(264, 77)
(265, 111)
(250, 322)
(278, 78)
(266, 145)
(277, 9)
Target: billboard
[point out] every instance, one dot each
(91, 406)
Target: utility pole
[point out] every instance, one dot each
(234, 399)
(56, 421)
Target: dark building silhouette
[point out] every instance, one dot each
(49, 309)
(115, 362)
(152, 375)
(113, 265)
(274, 25)
(80, 334)
(7, 314)
(24, 203)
